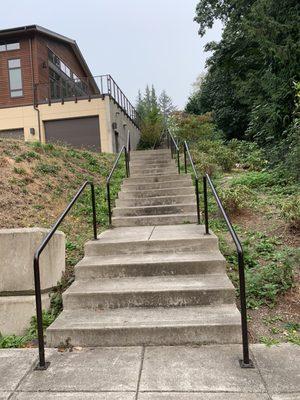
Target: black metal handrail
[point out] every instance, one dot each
(246, 362)
(123, 149)
(171, 142)
(128, 147)
(36, 267)
(186, 151)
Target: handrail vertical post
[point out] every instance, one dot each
(205, 205)
(197, 199)
(94, 210)
(39, 314)
(126, 162)
(108, 201)
(178, 161)
(184, 154)
(245, 362)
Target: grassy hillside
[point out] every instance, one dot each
(37, 182)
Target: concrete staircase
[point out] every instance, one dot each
(160, 283)
(155, 194)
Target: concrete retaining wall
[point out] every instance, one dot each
(17, 300)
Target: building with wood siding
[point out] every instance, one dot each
(47, 93)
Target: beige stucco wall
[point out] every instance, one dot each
(124, 124)
(26, 117)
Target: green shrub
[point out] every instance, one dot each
(20, 171)
(28, 156)
(225, 157)
(236, 198)
(47, 168)
(264, 283)
(255, 179)
(290, 211)
(205, 163)
(249, 154)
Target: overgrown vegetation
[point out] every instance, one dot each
(264, 206)
(36, 183)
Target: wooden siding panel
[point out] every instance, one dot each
(24, 55)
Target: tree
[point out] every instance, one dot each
(249, 86)
(166, 105)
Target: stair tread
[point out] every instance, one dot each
(226, 314)
(151, 284)
(152, 258)
(158, 216)
(155, 206)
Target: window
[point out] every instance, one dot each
(15, 78)
(9, 46)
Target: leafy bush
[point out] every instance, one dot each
(47, 168)
(236, 198)
(255, 179)
(28, 156)
(290, 211)
(249, 154)
(194, 128)
(205, 163)
(225, 158)
(265, 283)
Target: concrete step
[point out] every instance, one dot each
(155, 201)
(153, 291)
(172, 239)
(151, 156)
(152, 171)
(131, 193)
(153, 164)
(150, 151)
(182, 183)
(154, 264)
(154, 210)
(144, 326)
(156, 178)
(170, 219)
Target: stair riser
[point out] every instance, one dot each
(156, 201)
(138, 172)
(158, 178)
(138, 194)
(151, 158)
(150, 269)
(146, 336)
(168, 298)
(154, 220)
(152, 165)
(157, 185)
(151, 151)
(153, 210)
(207, 243)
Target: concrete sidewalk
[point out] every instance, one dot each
(152, 373)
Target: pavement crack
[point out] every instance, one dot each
(140, 373)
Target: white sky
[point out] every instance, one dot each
(136, 41)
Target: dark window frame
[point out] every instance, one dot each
(9, 84)
(8, 43)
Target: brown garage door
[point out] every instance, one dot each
(76, 132)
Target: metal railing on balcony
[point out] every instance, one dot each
(67, 89)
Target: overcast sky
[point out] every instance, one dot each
(136, 41)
